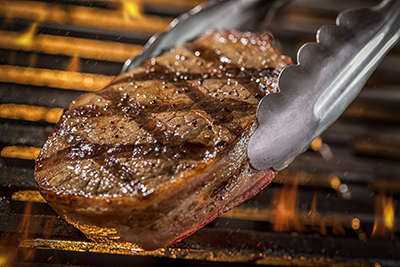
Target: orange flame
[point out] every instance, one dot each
(23, 234)
(32, 60)
(286, 209)
(27, 37)
(338, 229)
(384, 215)
(74, 64)
(319, 225)
(131, 9)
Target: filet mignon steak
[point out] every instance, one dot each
(161, 151)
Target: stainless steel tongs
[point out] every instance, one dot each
(328, 76)
(314, 93)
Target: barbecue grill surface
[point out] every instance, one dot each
(50, 50)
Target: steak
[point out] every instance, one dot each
(161, 151)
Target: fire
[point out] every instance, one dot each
(131, 9)
(286, 209)
(74, 64)
(3, 260)
(313, 211)
(23, 233)
(28, 195)
(33, 60)
(320, 224)
(27, 37)
(384, 216)
(388, 212)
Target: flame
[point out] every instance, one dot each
(23, 234)
(74, 64)
(28, 195)
(313, 211)
(131, 9)
(286, 209)
(27, 37)
(25, 229)
(337, 228)
(3, 260)
(384, 215)
(317, 224)
(32, 60)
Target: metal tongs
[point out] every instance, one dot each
(328, 76)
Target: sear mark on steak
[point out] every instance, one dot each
(161, 151)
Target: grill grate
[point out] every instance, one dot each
(337, 185)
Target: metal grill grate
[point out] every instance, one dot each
(50, 50)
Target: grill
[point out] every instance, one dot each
(334, 206)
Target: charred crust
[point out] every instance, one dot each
(224, 110)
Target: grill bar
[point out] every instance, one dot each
(71, 51)
(80, 16)
(70, 46)
(54, 78)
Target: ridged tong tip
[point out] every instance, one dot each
(329, 75)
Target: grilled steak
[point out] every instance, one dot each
(161, 151)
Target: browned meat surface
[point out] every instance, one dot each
(162, 150)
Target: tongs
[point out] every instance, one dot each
(328, 76)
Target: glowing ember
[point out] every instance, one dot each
(27, 37)
(384, 216)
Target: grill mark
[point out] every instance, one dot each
(221, 114)
(128, 109)
(245, 76)
(108, 153)
(187, 83)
